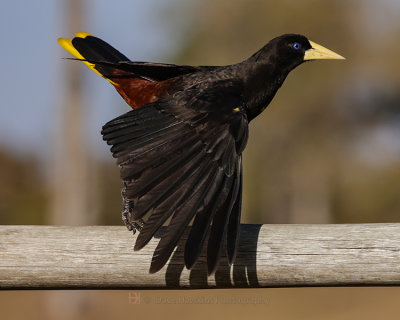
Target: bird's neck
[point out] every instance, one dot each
(261, 84)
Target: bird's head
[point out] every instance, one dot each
(267, 68)
(290, 50)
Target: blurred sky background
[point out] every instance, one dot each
(32, 85)
(327, 150)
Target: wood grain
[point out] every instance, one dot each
(97, 257)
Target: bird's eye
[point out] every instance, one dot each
(296, 46)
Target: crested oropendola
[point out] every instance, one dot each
(180, 150)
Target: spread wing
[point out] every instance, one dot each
(180, 158)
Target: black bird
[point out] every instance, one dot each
(180, 149)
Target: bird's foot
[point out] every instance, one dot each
(127, 210)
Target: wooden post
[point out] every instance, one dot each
(50, 257)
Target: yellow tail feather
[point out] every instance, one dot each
(67, 45)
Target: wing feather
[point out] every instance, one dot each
(232, 235)
(220, 223)
(181, 218)
(201, 224)
(166, 208)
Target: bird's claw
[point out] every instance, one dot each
(127, 210)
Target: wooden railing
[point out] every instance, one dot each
(52, 257)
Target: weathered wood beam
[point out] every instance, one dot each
(44, 257)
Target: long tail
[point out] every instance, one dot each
(88, 48)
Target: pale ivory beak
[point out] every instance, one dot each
(319, 52)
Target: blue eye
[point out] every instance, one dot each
(296, 46)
